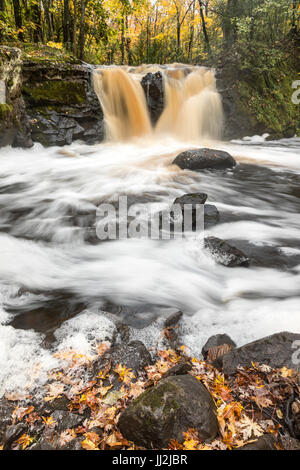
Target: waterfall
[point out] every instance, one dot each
(192, 109)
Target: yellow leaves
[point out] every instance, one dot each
(24, 441)
(279, 414)
(116, 440)
(56, 45)
(125, 375)
(190, 444)
(285, 372)
(19, 412)
(50, 422)
(87, 444)
(102, 348)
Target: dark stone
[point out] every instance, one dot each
(289, 443)
(211, 215)
(215, 341)
(75, 444)
(194, 199)
(225, 254)
(275, 351)
(173, 319)
(133, 355)
(265, 442)
(67, 420)
(153, 87)
(167, 410)
(42, 444)
(203, 159)
(6, 409)
(181, 368)
(13, 433)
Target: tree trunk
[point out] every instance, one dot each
(37, 19)
(47, 5)
(75, 28)
(82, 30)
(123, 39)
(18, 18)
(207, 43)
(66, 25)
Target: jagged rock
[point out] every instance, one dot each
(12, 433)
(153, 86)
(42, 444)
(133, 355)
(61, 103)
(216, 341)
(204, 159)
(67, 420)
(211, 215)
(167, 410)
(275, 351)
(265, 442)
(225, 254)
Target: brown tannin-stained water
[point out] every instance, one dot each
(193, 106)
(52, 266)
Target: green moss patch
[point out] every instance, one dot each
(5, 110)
(55, 92)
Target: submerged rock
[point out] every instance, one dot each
(194, 199)
(153, 87)
(167, 410)
(204, 159)
(225, 254)
(276, 351)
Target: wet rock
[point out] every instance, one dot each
(133, 355)
(75, 444)
(194, 199)
(216, 341)
(265, 442)
(173, 319)
(167, 410)
(153, 87)
(60, 403)
(225, 254)
(289, 443)
(13, 433)
(275, 351)
(181, 368)
(42, 444)
(211, 215)
(204, 159)
(6, 409)
(67, 420)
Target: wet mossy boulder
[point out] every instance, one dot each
(153, 86)
(55, 92)
(204, 159)
(166, 411)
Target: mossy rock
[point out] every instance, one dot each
(55, 92)
(5, 111)
(166, 411)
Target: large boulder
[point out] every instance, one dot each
(225, 254)
(265, 442)
(204, 159)
(153, 87)
(217, 341)
(276, 351)
(166, 411)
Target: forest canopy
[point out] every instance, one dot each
(150, 31)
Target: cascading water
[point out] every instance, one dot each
(52, 267)
(193, 106)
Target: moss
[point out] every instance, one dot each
(55, 92)
(267, 99)
(5, 110)
(158, 398)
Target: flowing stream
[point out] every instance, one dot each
(52, 267)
